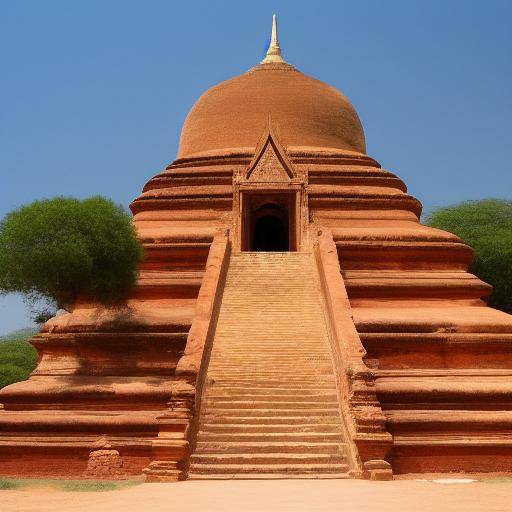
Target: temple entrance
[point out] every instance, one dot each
(270, 232)
(268, 223)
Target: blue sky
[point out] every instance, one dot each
(93, 93)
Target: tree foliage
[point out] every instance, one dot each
(17, 360)
(62, 249)
(487, 227)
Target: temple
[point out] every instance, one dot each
(292, 317)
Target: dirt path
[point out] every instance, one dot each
(280, 495)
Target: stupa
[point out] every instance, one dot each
(292, 318)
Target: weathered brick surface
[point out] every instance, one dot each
(104, 464)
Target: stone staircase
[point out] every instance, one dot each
(269, 407)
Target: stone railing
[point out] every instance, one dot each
(361, 412)
(194, 363)
(186, 390)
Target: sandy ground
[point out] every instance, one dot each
(277, 495)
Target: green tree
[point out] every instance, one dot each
(59, 250)
(18, 359)
(487, 227)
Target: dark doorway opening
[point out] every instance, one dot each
(270, 229)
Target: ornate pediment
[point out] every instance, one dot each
(270, 179)
(270, 163)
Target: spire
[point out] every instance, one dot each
(274, 50)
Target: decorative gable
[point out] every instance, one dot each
(270, 163)
(270, 179)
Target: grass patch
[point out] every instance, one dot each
(7, 483)
(95, 485)
(69, 485)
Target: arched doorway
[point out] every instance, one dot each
(268, 222)
(270, 231)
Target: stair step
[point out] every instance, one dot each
(302, 344)
(263, 391)
(270, 363)
(261, 379)
(271, 436)
(265, 371)
(269, 447)
(285, 428)
(302, 349)
(162, 466)
(265, 404)
(269, 420)
(225, 381)
(269, 412)
(284, 469)
(265, 458)
(215, 397)
(268, 476)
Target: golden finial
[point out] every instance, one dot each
(274, 50)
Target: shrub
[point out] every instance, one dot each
(10, 373)
(17, 360)
(62, 249)
(19, 353)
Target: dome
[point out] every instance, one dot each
(307, 113)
